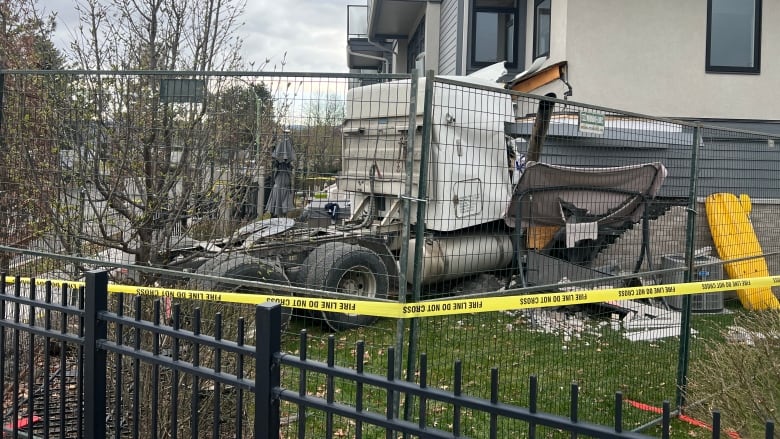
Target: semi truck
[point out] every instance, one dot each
(463, 190)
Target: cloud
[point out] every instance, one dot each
(313, 33)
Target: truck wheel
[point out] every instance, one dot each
(242, 266)
(348, 269)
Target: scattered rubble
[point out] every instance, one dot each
(740, 335)
(554, 321)
(638, 321)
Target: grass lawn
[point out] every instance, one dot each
(598, 358)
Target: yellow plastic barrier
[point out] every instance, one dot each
(734, 238)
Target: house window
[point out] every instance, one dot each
(734, 36)
(494, 32)
(541, 28)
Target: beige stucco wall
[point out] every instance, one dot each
(649, 57)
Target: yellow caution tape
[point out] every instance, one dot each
(437, 307)
(57, 283)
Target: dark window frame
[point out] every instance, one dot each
(515, 11)
(415, 46)
(536, 30)
(756, 68)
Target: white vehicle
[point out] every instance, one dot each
(476, 216)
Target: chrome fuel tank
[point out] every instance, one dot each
(459, 256)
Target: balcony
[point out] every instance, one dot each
(362, 53)
(394, 19)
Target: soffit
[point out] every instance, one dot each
(394, 19)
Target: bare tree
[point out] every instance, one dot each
(25, 36)
(147, 138)
(25, 43)
(321, 141)
(198, 35)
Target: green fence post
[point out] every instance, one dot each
(403, 258)
(690, 238)
(422, 196)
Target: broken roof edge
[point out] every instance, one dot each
(526, 83)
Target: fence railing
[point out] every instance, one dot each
(128, 376)
(409, 186)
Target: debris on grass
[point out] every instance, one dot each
(569, 325)
(637, 320)
(741, 335)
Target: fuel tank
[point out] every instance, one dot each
(452, 257)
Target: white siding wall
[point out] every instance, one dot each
(649, 57)
(448, 40)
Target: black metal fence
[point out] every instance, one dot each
(85, 371)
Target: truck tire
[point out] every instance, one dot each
(242, 266)
(349, 269)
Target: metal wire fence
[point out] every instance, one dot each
(397, 189)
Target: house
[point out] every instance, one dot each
(708, 60)
(713, 61)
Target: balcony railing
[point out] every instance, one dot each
(357, 21)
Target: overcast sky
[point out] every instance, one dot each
(312, 32)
